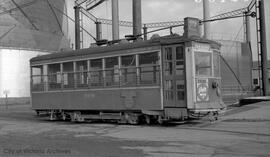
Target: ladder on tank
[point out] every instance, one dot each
(258, 31)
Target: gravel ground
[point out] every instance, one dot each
(242, 131)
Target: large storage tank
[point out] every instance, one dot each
(28, 28)
(236, 69)
(239, 58)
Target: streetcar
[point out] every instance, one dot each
(169, 78)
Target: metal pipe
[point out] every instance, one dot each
(77, 28)
(247, 23)
(137, 17)
(206, 16)
(115, 20)
(98, 31)
(264, 60)
(144, 32)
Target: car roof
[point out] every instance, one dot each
(158, 41)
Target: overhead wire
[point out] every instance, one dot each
(73, 21)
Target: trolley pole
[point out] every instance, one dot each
(264, 59)
(77, 28)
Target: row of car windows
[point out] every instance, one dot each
(132, 70)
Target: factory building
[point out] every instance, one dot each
(28, 28)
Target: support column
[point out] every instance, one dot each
(115, 20)
(77, 28)
(88, 73)
(264, 59)
(103, 72)
(120, 71)
(45, 77)
(62, 75)
(75, 74)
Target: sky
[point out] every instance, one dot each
(173, 10)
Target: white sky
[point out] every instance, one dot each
(173, 10)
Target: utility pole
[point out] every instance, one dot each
(264, 59)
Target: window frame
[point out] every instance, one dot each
(210, 53)
(58, 72)
(216, 53)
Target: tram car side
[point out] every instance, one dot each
(162, 79)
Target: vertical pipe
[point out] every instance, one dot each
(144, 32)
(171, 31)
(248, 42)
(115, 20)
(201, 29)
(77, 28)
(206, 16)
(247, 23)
(98, 31)
(137, 17)
(264, 62)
